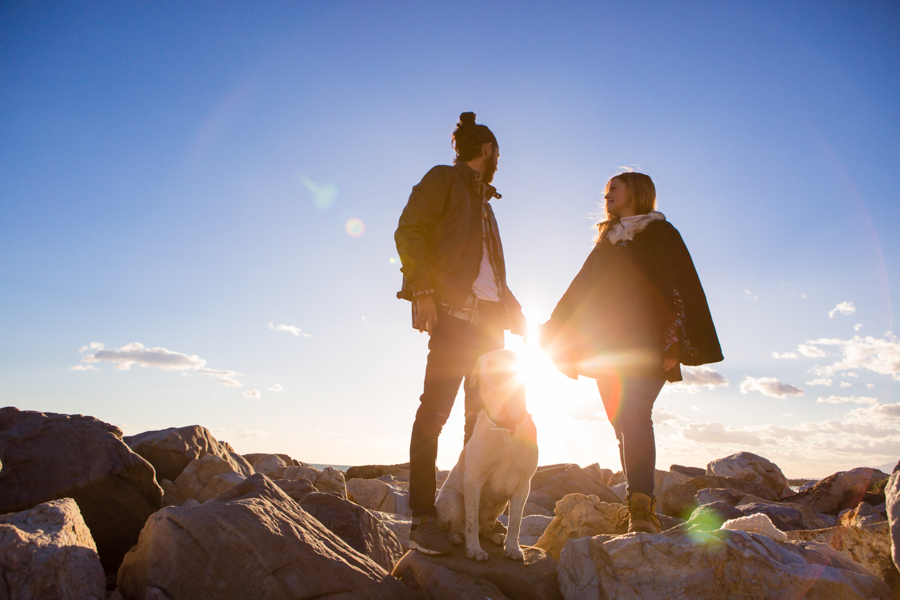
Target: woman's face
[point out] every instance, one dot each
(619, 202)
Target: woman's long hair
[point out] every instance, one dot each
(643, 194)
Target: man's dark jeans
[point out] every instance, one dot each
(453, 350)
(629, 403)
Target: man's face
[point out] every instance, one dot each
(490, 165)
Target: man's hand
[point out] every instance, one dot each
(426, 314)
(518, 324)
(669, 363)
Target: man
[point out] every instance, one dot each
(455, 276)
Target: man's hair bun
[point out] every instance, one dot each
(469, 137)
(467, 118)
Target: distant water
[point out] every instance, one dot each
(338, 467)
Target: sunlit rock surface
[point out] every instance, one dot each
(721, 564)
(48, 552)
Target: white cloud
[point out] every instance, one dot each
(229, 381)
(810, 351)
(851, 374)
(785, 355)
(292, 329)
(276, 388)
(769, 386)
(253, 394)
(843, 399)
(158, 358)
(845, 384)
(716, 433)
(870, 385)
(857, 327)
(822, 381)
(662, 415)
(749, 295)
(136, 353)
(696, 378)
(845, 308)
(873, 354)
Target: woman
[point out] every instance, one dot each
(634, 313)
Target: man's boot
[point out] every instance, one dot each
(642, 517)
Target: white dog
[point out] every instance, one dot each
(496, 465)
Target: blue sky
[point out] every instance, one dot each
(220, 183)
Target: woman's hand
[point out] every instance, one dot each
(669, 363)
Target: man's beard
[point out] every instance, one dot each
(490, 167)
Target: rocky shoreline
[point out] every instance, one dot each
(88, 513)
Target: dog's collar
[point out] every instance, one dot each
(500, 426)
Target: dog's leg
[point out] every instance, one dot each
(516, 509)
(472, 493)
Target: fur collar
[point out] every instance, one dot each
(625, 229)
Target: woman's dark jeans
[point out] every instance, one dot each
(628, 402)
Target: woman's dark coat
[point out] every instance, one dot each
(631, 304)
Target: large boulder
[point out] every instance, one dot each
(679, 500)
(689, 471)
(280, 466)
(863, 514)
(355, 525)
(52, 456)
(843, 490)
(48, 552)
(380, 495)
(437, 582)
(531, 529)
(573, 480)
(251, 541)
(531, 579)
(203, 479)
(892, 495)
(750, 467)
(869, 545)
(580, 515)
(721, 564)
(171, 450)
(398, 524)
(375, 471)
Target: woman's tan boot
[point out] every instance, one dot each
(642, 517)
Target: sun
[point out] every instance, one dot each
(549, 391)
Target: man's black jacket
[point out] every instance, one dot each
(439, 237)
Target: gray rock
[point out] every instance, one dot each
(533, 526)
(48, 552)
(689, 471)
(892, 503)
(843, 490)
(750, 467)
(52, 456)
(869, 545)
(710, 495)
(700, 566)
(171, 450)
(252, 541)
(863, 514)
(533, 579)
(573, 480)
(679, 499)
(400, 471)
(437, 582)
(355, 525)
(784, 517)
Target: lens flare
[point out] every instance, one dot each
(355, 228)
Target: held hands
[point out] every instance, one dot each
(669, 363)
(426, 314)
(518, 324)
